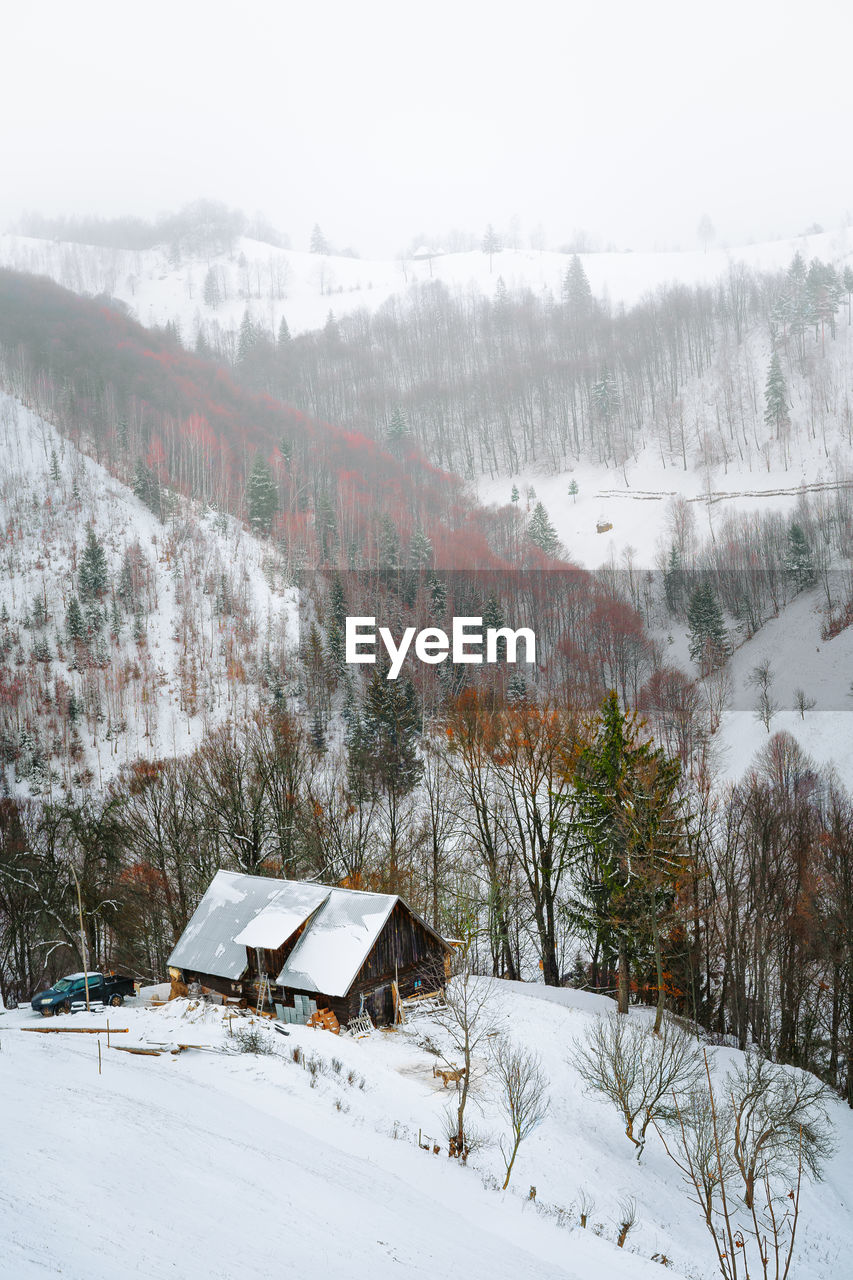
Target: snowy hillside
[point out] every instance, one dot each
(237, 1159)
(303, 288)
(190, 615)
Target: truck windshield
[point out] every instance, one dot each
(62, 985)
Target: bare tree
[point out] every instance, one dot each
(702, 1148)
(640, 1072)
(466, 1019)
(522, 1088)
(777, 1117)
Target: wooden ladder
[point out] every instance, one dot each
(264, 993)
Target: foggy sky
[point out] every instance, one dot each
(379, 120)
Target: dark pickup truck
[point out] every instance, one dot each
(70, 992)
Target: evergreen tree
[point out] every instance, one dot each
(515, 495)
(799, 561)
(398, 427)
(420, 551)
(283, 334)
(673, 581)
(438, 596)
(261, 494)
(629, 838)
(211, 293)
(55, 473)
(92, 575)
(246, 338)
(577, 294)
(146, 486)
(336, 627)
(541, 532)
(573, 490)
(491, 243)
(75, 625)
(319, 243)
(709, 643)
(776, 397)
(389, 544)
(325, 527)
(39, 611)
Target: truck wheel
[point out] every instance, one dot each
(47, 1013)
(63, 1008)
(116, 1000)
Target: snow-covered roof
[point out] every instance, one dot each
(233, 902)
(240, 911)
(333, 948)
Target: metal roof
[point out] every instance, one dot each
(256, 911)
(232, 901)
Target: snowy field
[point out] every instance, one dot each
(272, 283)
(248, 1165)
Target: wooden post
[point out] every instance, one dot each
(99, 1056)
(108, 1034)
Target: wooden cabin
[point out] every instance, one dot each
(319, 946)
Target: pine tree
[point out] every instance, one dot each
(541, 532)
(325, 527)
(146, 486)
(799, 561)
(420, 551)
(776, 397)
(211, 293)
(319, 243)
(398, 427)
(284, 338)
(261, 494)
(55, 473)
(709, 642)
(491, 244)
(389, 544)
(573, 489)
(577, 294)
(515, 495)
(246, 338)
(336, 627)
(673, 581)
(75, 625)
(629, 833)
(92, 574)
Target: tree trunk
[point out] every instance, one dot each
(623, 982)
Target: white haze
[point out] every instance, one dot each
(379, 120)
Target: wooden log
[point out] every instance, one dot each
(75, 1031)
(146, 1053)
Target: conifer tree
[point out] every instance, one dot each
(284, 338)
(246, 338)
(573, 489)
(398, 427)
(261, 494)
(673, 581)
(92, 574)
(515, 495)
(319, 243)
(709, 643)
(629, 832)
(799, 561)
(75, 624)
(576, 291)
(541, 532)
(420, 551)
(55, 473)
(776, 397)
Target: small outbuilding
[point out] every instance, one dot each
(315, 945)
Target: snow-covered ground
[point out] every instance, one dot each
(231, 1165)
(305, 287)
